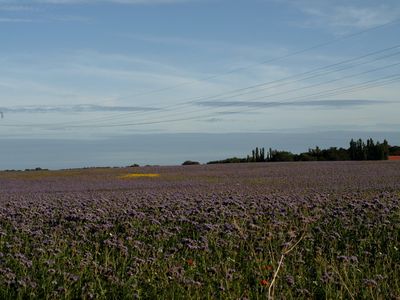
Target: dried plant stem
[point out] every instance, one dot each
(270, 289)
(342, 281)
(286, 252)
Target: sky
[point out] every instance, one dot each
(96, 72)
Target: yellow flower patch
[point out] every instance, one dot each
(138, 175)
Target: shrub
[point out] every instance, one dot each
(189, 163)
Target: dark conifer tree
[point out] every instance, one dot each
(257, 155)
(353, 150)
(262, 154)
(385, 147)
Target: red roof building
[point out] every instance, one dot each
(394, 157)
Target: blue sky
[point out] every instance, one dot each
(99, 69)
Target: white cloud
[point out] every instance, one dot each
(37, 7)
(362, 17)
(16, 8)
(347, 14)
(15, 20)
(34, 109)
(262, 50)
(95, 77)
(143, 2)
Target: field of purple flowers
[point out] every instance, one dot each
(248, 231)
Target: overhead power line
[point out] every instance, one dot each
(316, 72)
(250, 89)
(367, 85)
(282, 57)
(386, 80)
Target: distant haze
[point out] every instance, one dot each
(164, 149)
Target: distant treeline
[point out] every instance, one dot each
(358, 150)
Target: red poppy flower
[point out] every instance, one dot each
(264, 282)
(268, 267)
(190, 262)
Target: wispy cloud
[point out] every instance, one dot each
(211, 120)
(35, 13)
(208, 45)
(65, 2)
(271, 104)
(15, 20)
(343, 14)
(109, 79)
(69, 19)
(73, 109)
(16, 8)
(364, 17)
